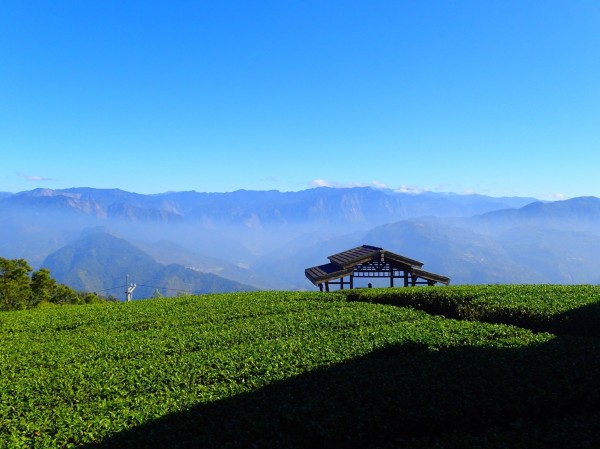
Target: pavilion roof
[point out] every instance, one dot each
(344, 263)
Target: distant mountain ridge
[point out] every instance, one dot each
(325, 205)
(581, 214)
(236, 227)
(265, 239)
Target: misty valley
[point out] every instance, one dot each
(191, 242)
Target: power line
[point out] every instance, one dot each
(167, 288)
(178, 290)
(108, 289)
(148, 286)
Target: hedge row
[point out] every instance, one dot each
(559, 309)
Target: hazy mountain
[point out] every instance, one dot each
(361, 206)
(288, 263)
(267, 239)
(555, 242)
(576, 214)
(563, 256)
(465, 256)
(238, 227)
(166, 253)
(101, 262)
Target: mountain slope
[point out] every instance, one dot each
(539, 243)
(445, 248)
(580, 214)
(167, 252)
(100, 262)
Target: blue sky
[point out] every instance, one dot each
(493, 97)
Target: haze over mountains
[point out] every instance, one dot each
(203, 242)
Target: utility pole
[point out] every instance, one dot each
(130, 288)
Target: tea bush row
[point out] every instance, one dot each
(559, 309)
(271, 369)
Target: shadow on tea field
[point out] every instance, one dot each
(545, 395)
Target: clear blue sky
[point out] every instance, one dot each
(493, 97)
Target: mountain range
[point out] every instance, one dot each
(91, 238)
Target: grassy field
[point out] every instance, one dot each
(292, 369)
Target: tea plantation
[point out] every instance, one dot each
(378, 368)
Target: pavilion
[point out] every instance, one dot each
(371, 262)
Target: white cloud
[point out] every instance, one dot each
(336, 184)
(412, 189)
(35, 178)
(379, 185)
(555, 196)
(320, 183)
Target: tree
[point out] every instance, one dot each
(19, 289)
(43, 287)
(91, 298)
(15, 284)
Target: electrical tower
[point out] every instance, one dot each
(130, 288)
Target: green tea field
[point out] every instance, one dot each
(441, 367)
